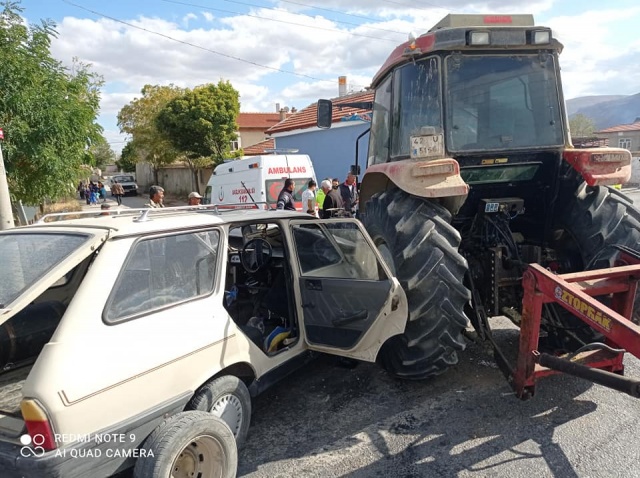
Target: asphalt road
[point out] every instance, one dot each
(327, 420)
(330, 421)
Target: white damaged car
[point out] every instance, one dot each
(138, 338)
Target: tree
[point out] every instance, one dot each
(101, 153)
(48, 113)
(138, 119)
(128, 159)
(201, 124)
(581, 126)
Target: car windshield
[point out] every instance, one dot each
(123, 179)
(502, 102)
(27, 257)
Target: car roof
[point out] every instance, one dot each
(142, 221)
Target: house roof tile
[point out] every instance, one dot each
(635, 126)
(261, 121)
(259, 148)
(306, 117)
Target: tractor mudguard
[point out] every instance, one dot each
(438, 178)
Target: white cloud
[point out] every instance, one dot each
(317, 49)
(188, 17)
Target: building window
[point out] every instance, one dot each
(235, 145)
(624, 143)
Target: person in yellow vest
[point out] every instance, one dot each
(320, 195)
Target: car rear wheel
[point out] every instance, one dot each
(228, 398)
(189, 444)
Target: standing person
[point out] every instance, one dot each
(103, 191)
(320, 195)
(349, 193)
(285, 198)
(332, 201)
(309, 198)
(194, 199)
(335, 183)
(156, 197)
(118, 191)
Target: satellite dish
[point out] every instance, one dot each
(286, 109)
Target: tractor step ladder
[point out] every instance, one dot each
(575, 292)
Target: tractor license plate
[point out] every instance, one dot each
(429, 146)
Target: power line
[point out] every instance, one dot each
(422, 8)
(323, 9)
(302, 75)
(278, 21)
(332, 11)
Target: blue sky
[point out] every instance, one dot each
(292, 52)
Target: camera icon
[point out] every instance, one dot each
(32, 445)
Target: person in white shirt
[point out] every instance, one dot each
(309, 198)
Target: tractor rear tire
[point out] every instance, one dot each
(415, 237)
(598, 218)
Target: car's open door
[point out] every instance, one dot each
(350, 304)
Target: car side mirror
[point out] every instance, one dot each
(325, 114)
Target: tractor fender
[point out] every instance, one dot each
(439, 178)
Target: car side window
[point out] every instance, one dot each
(163, 271)
(335, 250)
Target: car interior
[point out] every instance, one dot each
(258, 286)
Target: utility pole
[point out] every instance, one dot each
(6, 215)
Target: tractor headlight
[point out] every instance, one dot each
(479, 38)
(540, 37)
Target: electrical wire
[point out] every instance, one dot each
(278, 21)
(315, 7)
(280, 70)
(323, 9)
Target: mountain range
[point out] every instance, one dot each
(606, 110)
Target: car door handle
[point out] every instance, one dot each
(360, 315)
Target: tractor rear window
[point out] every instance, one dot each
(499, 174)
(502, 102)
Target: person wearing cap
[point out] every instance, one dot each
(156, 197)
(194, 199)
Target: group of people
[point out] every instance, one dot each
(92, 192)
(334, 199)
(156, 197)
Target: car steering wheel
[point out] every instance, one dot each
(256, 254)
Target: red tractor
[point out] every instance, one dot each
(471, 177)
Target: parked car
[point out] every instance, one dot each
(128, 183)
(138, 338)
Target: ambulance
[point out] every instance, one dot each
(258, 180)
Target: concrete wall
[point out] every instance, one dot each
(249, 138)
(175, 179)
(332, 151)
